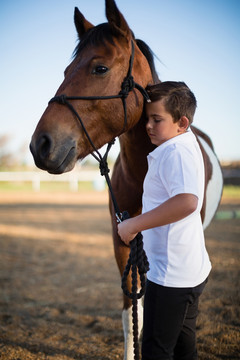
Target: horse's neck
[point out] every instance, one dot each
(135, 146)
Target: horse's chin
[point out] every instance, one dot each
(63, 168)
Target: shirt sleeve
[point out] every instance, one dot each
(179, 173)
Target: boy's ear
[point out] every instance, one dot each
(183, 123)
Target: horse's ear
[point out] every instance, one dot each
(116, 20)
(82, 25)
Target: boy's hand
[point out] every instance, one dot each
(125, 232)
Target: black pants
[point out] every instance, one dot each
(169, 327)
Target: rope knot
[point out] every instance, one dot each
(128, 85)
(103, 166)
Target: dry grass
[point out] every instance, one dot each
(219, 318)
(60, 293)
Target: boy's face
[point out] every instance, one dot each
(160, 126)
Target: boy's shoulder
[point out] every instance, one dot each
(177, 144)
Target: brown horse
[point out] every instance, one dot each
(64, 135)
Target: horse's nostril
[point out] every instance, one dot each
(44, 146)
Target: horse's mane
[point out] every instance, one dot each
(101, 34)
(149, 55)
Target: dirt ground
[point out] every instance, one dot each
(60, 295)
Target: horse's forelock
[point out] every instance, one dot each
(96, 36)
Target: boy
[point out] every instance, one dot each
(171, 225)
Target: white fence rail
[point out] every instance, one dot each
(73, 178)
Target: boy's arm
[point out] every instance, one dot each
(172, 210)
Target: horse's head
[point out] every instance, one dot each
(100, 64)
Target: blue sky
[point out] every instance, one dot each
(197, 42)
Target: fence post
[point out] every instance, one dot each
(36, 182)
(73, 183)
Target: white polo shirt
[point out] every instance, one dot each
(176, 252)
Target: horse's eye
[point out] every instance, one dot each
(100, 70)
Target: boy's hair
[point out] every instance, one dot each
(177, 97)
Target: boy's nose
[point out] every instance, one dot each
(148, 125)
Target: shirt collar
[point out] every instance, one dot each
(187, 136)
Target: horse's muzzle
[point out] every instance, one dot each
(56, 158)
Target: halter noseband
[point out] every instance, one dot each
(127, 86)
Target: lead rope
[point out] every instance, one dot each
(137, 262)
